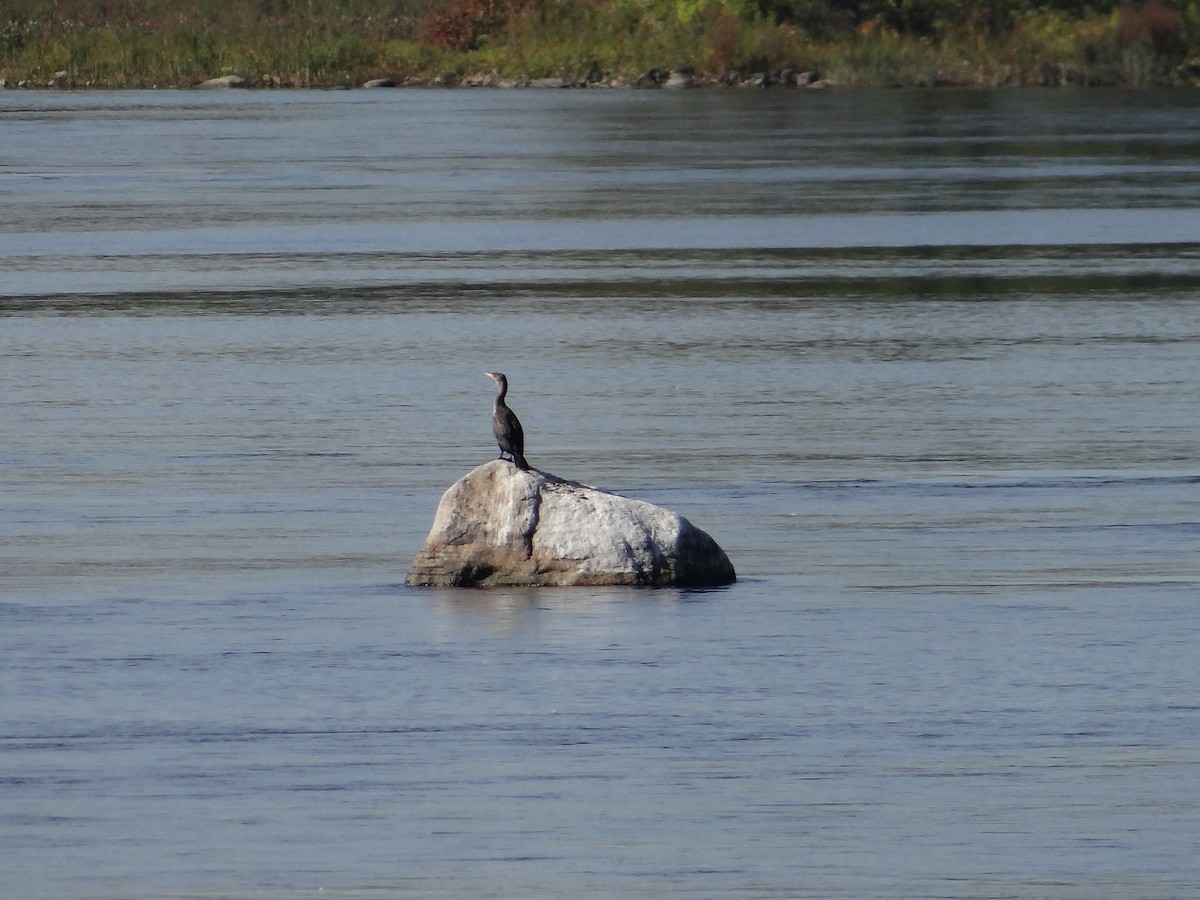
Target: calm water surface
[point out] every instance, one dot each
(925, 364)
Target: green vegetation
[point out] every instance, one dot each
(305, 43)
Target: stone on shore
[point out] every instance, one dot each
(498, 525)
(225, 81)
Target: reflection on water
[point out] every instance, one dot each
(924, 364)
(1039, 253)
(184, 195)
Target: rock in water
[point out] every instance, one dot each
(498, 525)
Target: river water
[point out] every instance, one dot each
(925, 364)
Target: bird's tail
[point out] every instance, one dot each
(519, 459)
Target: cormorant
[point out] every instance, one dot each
(506, 426)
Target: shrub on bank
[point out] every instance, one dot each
(143, 43)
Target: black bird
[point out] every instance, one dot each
(506, 426)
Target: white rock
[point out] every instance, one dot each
(225, 81)
(499, 525)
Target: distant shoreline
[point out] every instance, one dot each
(96, 44)
(1185, 76)
(668, 82)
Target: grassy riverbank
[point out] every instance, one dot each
(284, 43)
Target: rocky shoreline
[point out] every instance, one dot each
(1185, 75)
(655, 78)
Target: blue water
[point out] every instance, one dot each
(925, 364)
